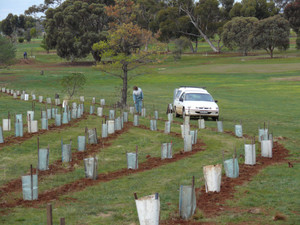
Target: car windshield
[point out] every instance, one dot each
(198, 97)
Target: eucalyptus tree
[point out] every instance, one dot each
(236, 33)
(74, 26)
(292, 14)
(260, 9)
(270, 33)
(7, 51)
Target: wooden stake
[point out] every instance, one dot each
(49, 214)
(136, 157)
(96, 136)
(29, 123)
(31, 179)
(94, 168)
(135, 196)
(38, 150)
(233, 162)
(223, 155)
(48, 152)
(192, 194)
(62, 149)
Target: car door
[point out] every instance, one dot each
(179, 106)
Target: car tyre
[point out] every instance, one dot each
(176, 114)
(215, 118)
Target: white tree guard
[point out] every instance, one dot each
(102, 102)
(262, 134)
(167, 127)
(6, 124)
(238, 130)
(188, 143)
(170, 117)
(212, 175)
(266, 148)
(135, 120)
(131, 110)
(185, 130)
(186, 120)
(30, 115)
(100, 111)
(220, 126)
(148, 209)
(48, 100)
(143, 114)
(250, 154)
(33, 126)
(30, 191)
(91, 168)
(201, 123)
(110, 126)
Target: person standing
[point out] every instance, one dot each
(138, 97)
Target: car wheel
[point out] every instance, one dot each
(176, 114)
(215, 118)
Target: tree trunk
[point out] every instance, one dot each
(193, 21)
(192, 47)
(196, 47)
(125, 84)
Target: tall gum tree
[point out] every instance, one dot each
(271, 33)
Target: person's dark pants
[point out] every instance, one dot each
(138, 106)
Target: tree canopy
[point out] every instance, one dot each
(236, 33)
(254, 8)
(292, 14)
(7, 51)
(74, 26)
(271, 33)
(14, 24)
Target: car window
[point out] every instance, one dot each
(198, 97)
(181, 97)
(178, 93)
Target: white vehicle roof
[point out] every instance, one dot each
(192, 89)
(196, 91)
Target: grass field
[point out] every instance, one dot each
(254, 89)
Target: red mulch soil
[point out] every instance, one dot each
(213, 203)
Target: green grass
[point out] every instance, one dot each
(254, 89)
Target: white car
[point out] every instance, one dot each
(195, 101)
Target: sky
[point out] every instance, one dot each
(16, 7)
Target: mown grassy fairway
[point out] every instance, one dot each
(254, 89)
